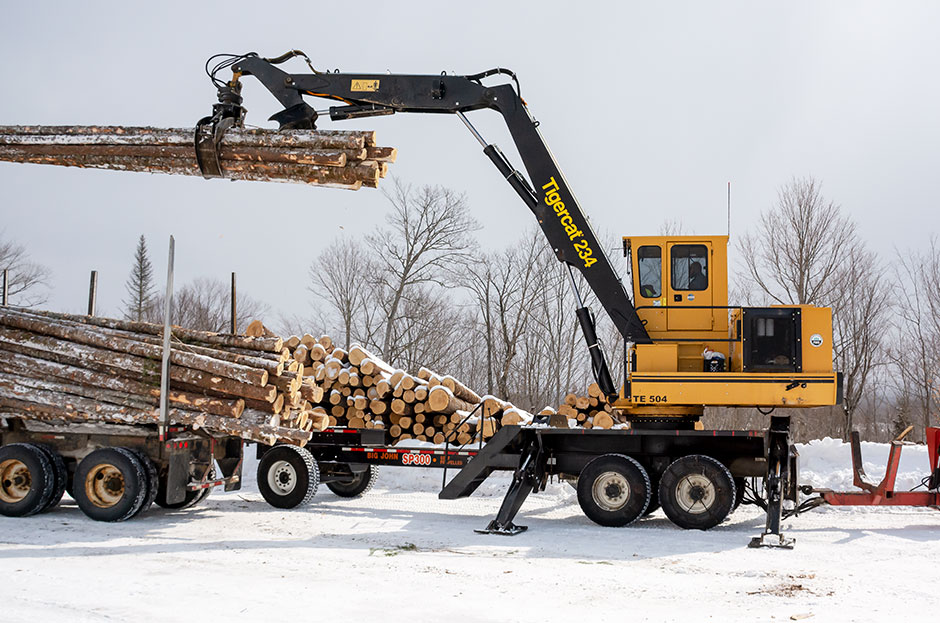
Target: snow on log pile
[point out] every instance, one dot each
(64, 368)
(336, 158)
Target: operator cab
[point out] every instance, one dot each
(706, 352)
(680, 289)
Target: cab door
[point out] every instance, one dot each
(649, 284)
(689, 286)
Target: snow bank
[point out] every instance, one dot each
(827, 463)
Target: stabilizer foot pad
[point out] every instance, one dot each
(776, 541)
(510, 529)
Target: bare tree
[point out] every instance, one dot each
(800, 244)
(672, 227)
(28, 281)
(553, 359)
(916, 352)
(431, 330)
(205, 304)
(340, 277)
(859, 325)
(506, 285)
(428, 236)
(139, 284)
(806, 251)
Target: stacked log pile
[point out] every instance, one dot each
(359, 390)
(362, 391)
(343, 159)
(67, 368)
(590, 411)
(64, 368)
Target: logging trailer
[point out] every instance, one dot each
(685, 349)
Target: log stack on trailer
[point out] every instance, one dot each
(590, 411)
(70, 368)
(335, 158)
(359, 390)
(64, 368)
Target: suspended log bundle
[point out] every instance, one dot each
(65, 368)
(336, 158)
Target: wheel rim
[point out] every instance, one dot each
(695, 493)
(282, 477)
(15, 481)
(611, 491)
(104, 485)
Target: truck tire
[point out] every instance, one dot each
(738, 493)
(152, 481)
(110, 484)
(613, 490)
(27, 480)
(61, 475)
(288, 476)
(696, 492)
(357, 486)
(653, 506)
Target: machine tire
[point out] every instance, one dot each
(192, 497)
(654, 498)
(738, 493)
(288, 476)
(61, 475)
(27, 480)
(697, 492)
(153, 480)
(357, 486)
(613, 490)
(110, 484)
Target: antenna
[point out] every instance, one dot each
(729, 210)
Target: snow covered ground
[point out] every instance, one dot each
(400, 554)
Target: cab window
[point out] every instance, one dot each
(649, 261)
(689, 267)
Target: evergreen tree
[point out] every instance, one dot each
(139, 285)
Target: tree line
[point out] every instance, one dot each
(420, 291)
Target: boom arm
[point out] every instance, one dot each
(548, 196)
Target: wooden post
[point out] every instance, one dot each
(93, 293)
(6, 288)
(234, 316)
(165, 367)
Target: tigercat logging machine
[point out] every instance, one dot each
(685, 347)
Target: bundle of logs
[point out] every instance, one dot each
(61, 368)
(362, 391)
(342, 159)
(591, 411)
(65, 368)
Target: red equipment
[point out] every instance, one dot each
(883, 494)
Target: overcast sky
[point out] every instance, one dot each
(649, 110)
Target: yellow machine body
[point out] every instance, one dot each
(705, 353)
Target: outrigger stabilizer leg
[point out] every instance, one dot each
(528, 476)
(779, 480)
